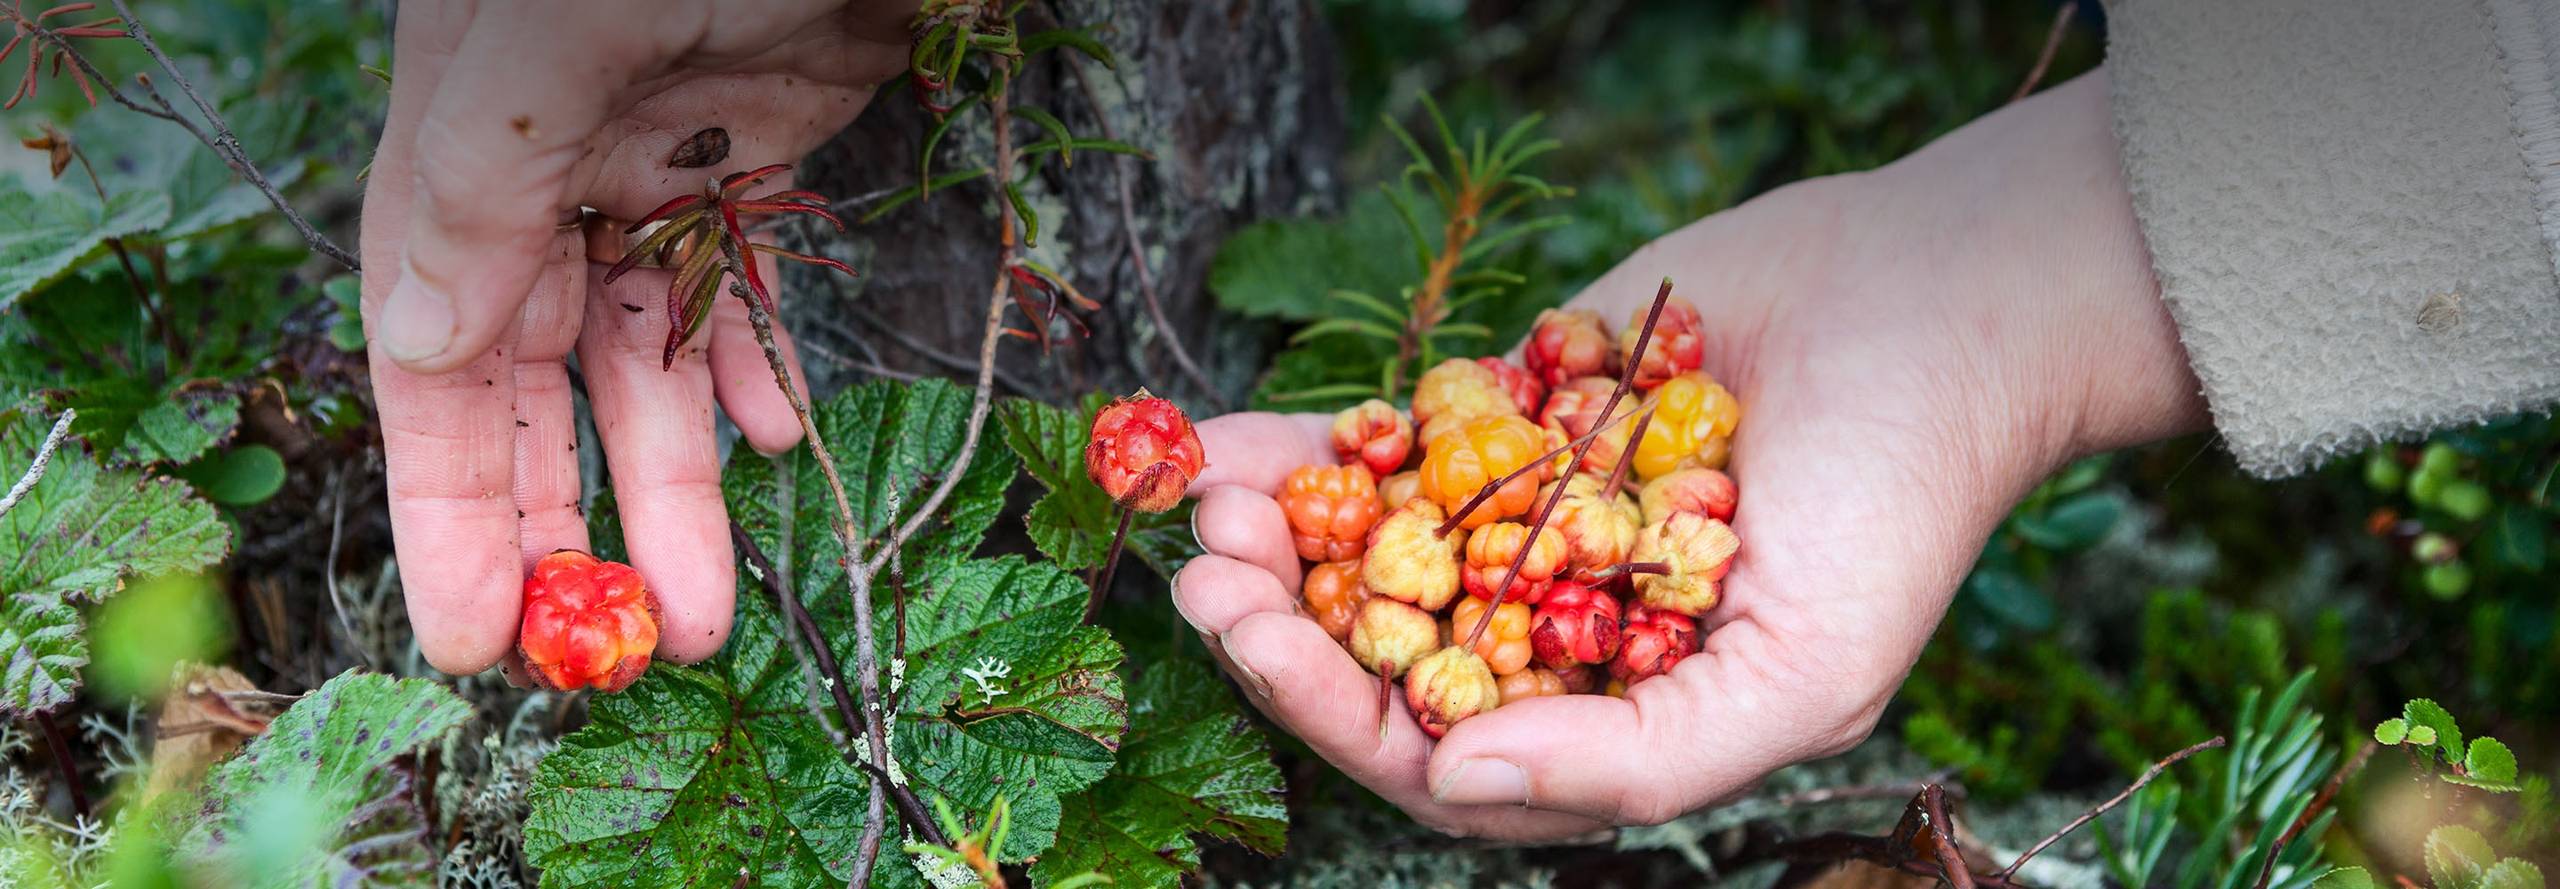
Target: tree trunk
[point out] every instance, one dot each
(1238, 105)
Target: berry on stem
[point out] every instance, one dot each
(1456, 391)
(1598, 529)
(1389, 636)
(1576, 625)
(1707, 492)
(1569, 343)
(1505, 643)
(1334, 596)
(1694, 552)
(1374, 434)
(1463, 461)
(1330, 511)
(1143, 452)
(1409, 561)
(1573, 411)
(1678, 346)
(1448, 687)
(1492, 549)
(588, 623)
(1653, 642)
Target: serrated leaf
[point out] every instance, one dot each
(2422, 736)
(2391, 731)
(179, 429)
(2456, 856)
(1286, 268)
(1192, 765)
(331, 754)
(2488, 765)
(2511, 873)
(76, 537)
(892, 442)
(1073, 523)
(2426, 712)
(45, 235)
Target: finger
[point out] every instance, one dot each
(656, 427)
(1215, 593)
(1248, 526)
(1304, 680)
(1257, 450)
(1708, 730)
(548, 496)
(742, 376)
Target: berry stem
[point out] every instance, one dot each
(1111, 560)
(1490, 488)
(61, 751)
(1628, 569)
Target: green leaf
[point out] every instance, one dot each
(2511, 873)
(2519, 535)
(2391, 731)
(1288, 268)
(243, 476)
(2488, 765)
(892, 442)
(134, 154)
(1073, 523)
(143, 634)
(2072, 524)
(2456, 856)
(179, 429)
(43, 236)
(2345, 878)
(2425, 712)
(1192, 765)
(347, 331)
(1056, 128)
(75, 537)
(329, 760)
(1042, 41)
(2008, 596)
(2422, 736)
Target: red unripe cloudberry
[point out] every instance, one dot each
(1525, 390)
(1653, 642)
(1374, 434)
(1575, 625)
(1569, 343)
(1143, 452)
(588, 623)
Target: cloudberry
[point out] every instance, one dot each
(587, 623)
(1697, 550)
(1584, 680)
(1330, 510)
(1574, 410)
(1395, 489)
(1458, 390)
(1569, 343)
(1707, 492)
(1409, 561)
(1458, 464)
(1334, 596)
(1390, 636)
(1535, 682)
(1143, 452)
(1653, 642)
(1490, 552)
(1373, 434)
(1449, 687)
(1693, 423)
(1598, 529)
(1505, 643)
(1576, 625)
(1678, 346)
(1525, 390)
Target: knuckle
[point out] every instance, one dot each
(1649, 804)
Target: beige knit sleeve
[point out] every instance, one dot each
(2351, 207)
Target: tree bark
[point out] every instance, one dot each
(1238, 103)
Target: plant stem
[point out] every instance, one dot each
(2101, 808)
(1110, 560)
(2044, 57)
(44, 457)
(61, 751)
(1427, 310)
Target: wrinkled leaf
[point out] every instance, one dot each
(2391, 731)
(1192, 765)
(179, 429)
(1285, 268)
(45, 235)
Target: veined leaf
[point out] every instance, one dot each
(45, 235)
(1192, 765)
(1288, 268)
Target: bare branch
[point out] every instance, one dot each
(2101, 808)
(2052, 44)
(44, 457)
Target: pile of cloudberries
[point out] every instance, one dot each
(1463, 547)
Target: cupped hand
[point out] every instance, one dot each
(506, 119)
(1913, 348)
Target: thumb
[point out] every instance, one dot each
(494, 159)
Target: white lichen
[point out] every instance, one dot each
(987, 670)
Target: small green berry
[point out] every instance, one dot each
(2382, 472)
(2440, 457)
(2434, 549)
(2465, 500)
(2448, 581)
(2427, 484)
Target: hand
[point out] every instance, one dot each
(1914, 348)
(506, 118)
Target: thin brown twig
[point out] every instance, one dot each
(1121, 175)
(2112, 802)
(61, 750)
(2355, 763)
(43, 458)
(2052, 44)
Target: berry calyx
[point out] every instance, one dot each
(1330, 511)
(1373, 434)
(1334, 596)
(1454, 392)
(588, 623)
(1653, 642)
(1693, 423)
(1490, 552)
(1389, 636)
(1459, 463)
(1143, 452)
(1525, 390)
(1694, 551)
(1505, 643)
(1569, 343)
(1707, 492)
(1575, 625)
(1409, 561)
(1448, 687)
(1678, 346)
(1598, 528)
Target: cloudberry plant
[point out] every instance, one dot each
(1598, 529)
(1678, 345)
(1374, 434)
(1707, 492)
(1566, 344)
(1334, 595)
(1390, 636)
(1525, 390)
(1457, 465)
(1573, 410)
(1505, 643)
(1456, 391)
(1448, 687)
(1490, 552)
(1330, 511)
(1693, 423)
(1409, 561)
(1653, 642)
(588, 623)
(1693, 552)
(1575, 625)
(697, 233)
(1535, 682)
(1143, 452)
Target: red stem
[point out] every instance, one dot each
(1110, 561)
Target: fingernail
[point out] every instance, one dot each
(1483, 782)
(417, 322)
(1196, 544)
(1187, 617)
(1252, 676)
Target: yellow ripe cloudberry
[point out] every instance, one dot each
(1696, 550)
(1525, 390)
(1373, 434)
(1334, 596)
(588, 623)
(1598, 529)
(1447, 396)
(1693, 423)
(1389, 636)
(1490, 552)
(1330, 510)
(1505, 643)
(1678, 346)
(1395, 489)
(1653, 642)
(1409, 561)
(1707, 492)
(1457, 465)
(1143, 452)
(1448, 687)
(1571, 413)
(1535, 682)
(1576, 625)
(1569, 343)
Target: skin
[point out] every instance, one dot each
(1915, 346)
(474, 297)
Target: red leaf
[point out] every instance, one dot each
(90, 32)
(65, 8)
(85, 92)
(789, 207)
(670, 208)
(736, 182)
(779, 253)
(12, 44)
(746, 257)
(658, 242)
